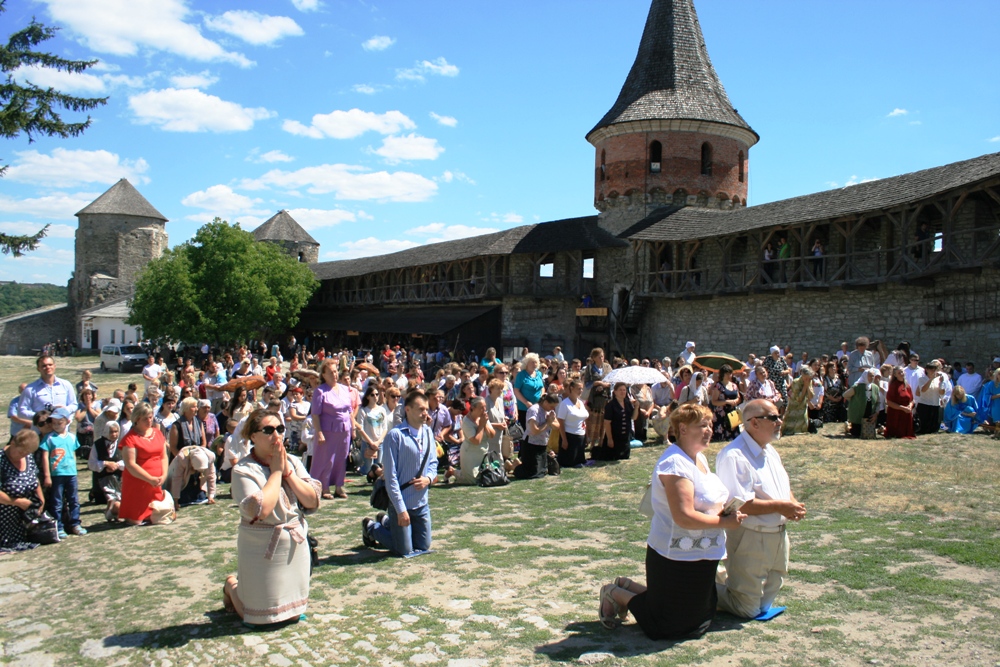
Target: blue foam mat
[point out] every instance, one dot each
(769, 613)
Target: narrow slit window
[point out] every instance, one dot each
(743, 167)
(655, 157)
(604, 158)
(588, 267)
(938, 242)
(706, 159)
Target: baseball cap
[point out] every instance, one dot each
(61, 413)
(114, 405)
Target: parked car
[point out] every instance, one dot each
(122, 358)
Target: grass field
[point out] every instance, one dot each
(897, 563)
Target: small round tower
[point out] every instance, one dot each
(282, 229)
(672, 137)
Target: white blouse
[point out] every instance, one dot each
(573, 416)
(710, 495)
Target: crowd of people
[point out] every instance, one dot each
(285, 433)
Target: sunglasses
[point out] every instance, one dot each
(770, 418)
(269, 430)
(501, 373)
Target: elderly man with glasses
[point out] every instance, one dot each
(751, 469)
(861, 359)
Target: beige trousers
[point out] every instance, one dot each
(181, 468)
(749, 579)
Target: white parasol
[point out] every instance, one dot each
(634, 375)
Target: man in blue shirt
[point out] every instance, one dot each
(17, 422)
(47, 392)
(410, 467)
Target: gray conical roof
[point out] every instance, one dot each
(283, 227)
(673, 77)
(122, 199)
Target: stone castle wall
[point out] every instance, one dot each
(25, 333)
(116, 246)
(818, 321)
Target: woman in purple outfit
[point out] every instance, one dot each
(332, 423)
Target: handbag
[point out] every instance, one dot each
(40, 527)
(380, 497)
(646, 503)
(734, 417)
(491, 471)
(868, 429)
(355, 459)
(516, 432)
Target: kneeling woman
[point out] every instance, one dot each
(274, 493)
(687, 539)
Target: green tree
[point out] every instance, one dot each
(34, 111)
(222, 286)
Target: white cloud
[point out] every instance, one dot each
(449, 176)
(315, 218)
(369, 247)
(350, 124)
(409, 147)
(447, 121)
(423, 68)
(46, 255)
(58, 206)
(254, 27)
(70, 82)
(366, 89)
(438, 231)
(221, 200)
(897, 112)
(64, 168)
(122, 27)
(505, 218)
(67, 82)
(190, 110)
(201, 80)
(853, 180)
(378, 43)
(306, 5)
(994, 139)
(268, 157)
(28, 228)
(349, 182)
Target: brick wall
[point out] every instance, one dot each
(626, 163)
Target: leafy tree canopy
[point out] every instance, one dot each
(34, 111)
(222, 286)
(17, 298)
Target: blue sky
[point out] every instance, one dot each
(383, 125)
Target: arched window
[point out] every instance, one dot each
(743, 167)
(603, 165)
(706, 159)
(655, 157)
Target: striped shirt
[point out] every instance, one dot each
(404, 449)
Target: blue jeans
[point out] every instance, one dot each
(64, 488)
(402, 540)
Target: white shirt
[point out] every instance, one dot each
(970, 383)
(687, 356)
(573, 416)
(151, 373)
(914, 376)
(538, 416)
(235, 448)
(930, 395)
(750, 471)
(710, 494)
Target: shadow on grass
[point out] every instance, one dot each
(220, 624)
(356, 556)
(626, 642)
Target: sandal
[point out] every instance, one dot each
(625, 583)
(610, 622)
(327, 496)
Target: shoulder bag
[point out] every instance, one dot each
(646, 503)
(380, 496)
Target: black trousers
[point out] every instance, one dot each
(680, 597)
(533, 463)
(575, 454)
(929, 418)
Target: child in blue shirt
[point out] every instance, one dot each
(59, 471)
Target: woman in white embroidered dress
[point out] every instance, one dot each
(274, 493)
(687, 539)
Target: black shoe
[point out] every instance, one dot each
(380, 518)
(366, 532)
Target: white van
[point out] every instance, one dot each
(122, 358)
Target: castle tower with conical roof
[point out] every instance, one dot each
(282, 230)
(672, 137)
(119, 234)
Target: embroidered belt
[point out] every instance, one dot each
(294, 529)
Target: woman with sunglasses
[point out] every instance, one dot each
(374, 420)
(274, 493)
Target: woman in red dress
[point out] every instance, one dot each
(144, 451)
(899, 407)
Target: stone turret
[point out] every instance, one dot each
(282, 229)
(673, 136)
(119, 233)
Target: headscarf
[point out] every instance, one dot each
(106, 434)
(696, 389)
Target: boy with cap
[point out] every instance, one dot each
(59, 471)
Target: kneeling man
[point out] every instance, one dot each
(751, 469)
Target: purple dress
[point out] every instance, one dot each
(329, 463)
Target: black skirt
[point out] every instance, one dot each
(680, 597)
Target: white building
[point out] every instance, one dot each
(105, 325)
